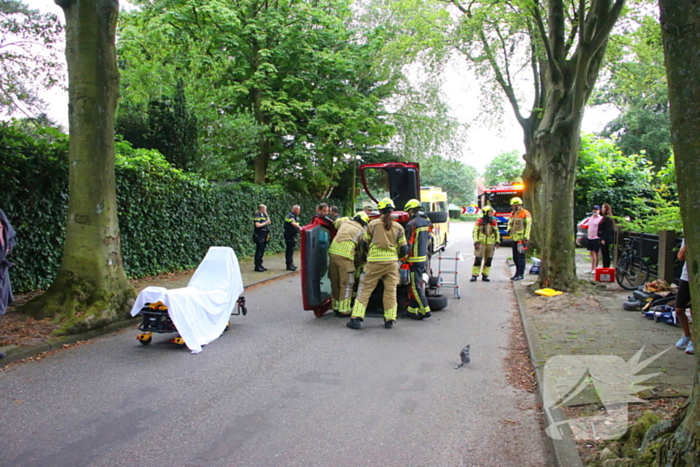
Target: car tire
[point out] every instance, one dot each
(437, 303)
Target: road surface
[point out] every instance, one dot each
(284, 388)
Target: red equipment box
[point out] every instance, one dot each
(605, 274)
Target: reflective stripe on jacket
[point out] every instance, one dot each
(486, 234)
(384, 244)
(519, 225)
(347, 239)
(418, 236)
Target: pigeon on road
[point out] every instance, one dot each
(464, 355)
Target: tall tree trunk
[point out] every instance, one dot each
(554, 158)
(91, 286)
(567, 43)
(262, 160)
(680, 25)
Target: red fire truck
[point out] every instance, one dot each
(498, 197)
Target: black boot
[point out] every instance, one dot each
(485, 279)
(354, 323)
(473, 279)
(389, 324)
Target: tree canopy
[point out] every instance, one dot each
(505, 167)
(29, 61)
(636, 85)
(455, 177)
(295, 68)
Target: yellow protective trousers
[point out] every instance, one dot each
(417, 301)
(484, 252)
(341, 272)
(387, 272)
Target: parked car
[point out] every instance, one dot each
(582, 232)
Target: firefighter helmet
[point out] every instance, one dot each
(411, 204)
(486, 209)
(515, 200)
(385, 203)
(361, 217)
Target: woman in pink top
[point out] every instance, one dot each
(593, 239)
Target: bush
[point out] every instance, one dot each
(168, 218)
(455, 214)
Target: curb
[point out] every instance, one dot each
(565, 452)
(18, 353)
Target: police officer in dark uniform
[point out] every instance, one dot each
(417, 237)
(261, 235)
(291, 229)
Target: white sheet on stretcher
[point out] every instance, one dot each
(201, 310)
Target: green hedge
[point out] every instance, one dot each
(33, 194)
(168, 218)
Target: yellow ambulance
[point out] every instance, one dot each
(434, 199)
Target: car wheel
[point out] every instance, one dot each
(437, 303)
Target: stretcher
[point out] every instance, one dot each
(200, 312)
(157, 320)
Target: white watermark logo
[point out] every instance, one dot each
(606, 380)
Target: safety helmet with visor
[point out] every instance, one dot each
(361, 217)
(385, 203)
(411, 204)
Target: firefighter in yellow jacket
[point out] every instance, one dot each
(486, 240)
(386, 245)
(519, 226)
(345, 256)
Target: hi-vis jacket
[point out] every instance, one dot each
(384, 245)
(340, 220)
(486, 233)
(418, 236)
(347, 241)
(519, 225)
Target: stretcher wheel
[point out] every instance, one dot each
(179, 341)
(228, 326)
(145, 339)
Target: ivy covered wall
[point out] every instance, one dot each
(168, 218)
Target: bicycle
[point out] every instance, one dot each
(632, 270)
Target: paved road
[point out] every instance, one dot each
(284, 389)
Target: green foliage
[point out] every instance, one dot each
(29, 56)
(168, 125)
(292, 73)
(454, 177)
(33, 194)
(605, 175)
(168, 218)
(424, 124)
(640, 201)
(662, 210)
(637, 87)
(505, 167)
